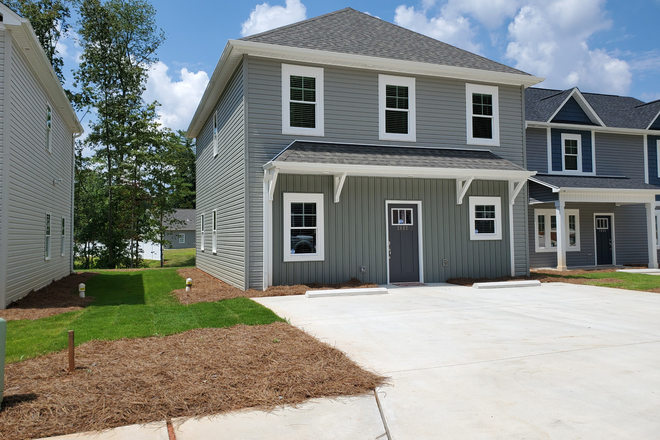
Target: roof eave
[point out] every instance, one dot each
(41, 67)
(543, 124)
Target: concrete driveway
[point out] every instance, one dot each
(558, 361)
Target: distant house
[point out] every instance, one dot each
(593, 199)
(346, 146)
(37, 132)
(182, 235)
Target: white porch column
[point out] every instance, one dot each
(650, 228)
(561, 235)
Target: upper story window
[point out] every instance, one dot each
(302, 100)
(571, 145)
(49, 127)
(485, 218)
(483, 119)
(396, 106)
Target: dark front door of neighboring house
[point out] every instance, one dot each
(604, 239)
(403, 225)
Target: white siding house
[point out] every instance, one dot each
(37, 130)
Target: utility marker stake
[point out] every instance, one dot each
(188, 284)
(81, 290)
(72, 360)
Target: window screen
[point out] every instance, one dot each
(482, 116)
(303, 101)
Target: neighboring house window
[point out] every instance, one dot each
(545, 223)
(483, 115)
(62, 237)
(571, 152)
(215, 133)
(485, 218)
(303, 227)
(201, 246)
(47, 241)
(182, 238)
(302, 100)
(49, 126)
(396, 107)
(214, 232)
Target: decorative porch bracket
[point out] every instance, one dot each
(514, 189)
(462, 186)
(271, 180)
(339, 185)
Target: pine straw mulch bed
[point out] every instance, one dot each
(192, 374)
(543, 276)
(209, 289)
(58, 297)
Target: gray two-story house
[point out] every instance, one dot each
(592, 201)
(345, 146)
(37, 129)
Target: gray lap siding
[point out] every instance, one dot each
(188, 236)
(631, 246)
(351, 115)
(355, 230)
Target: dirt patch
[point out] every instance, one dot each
(209, 289)
(544, 277)
(192, 374)
(58, 297)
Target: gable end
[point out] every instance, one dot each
(656, 124)
(572, 113)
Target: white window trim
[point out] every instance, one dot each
(214, 231)
(497, 201)
(49, 130)
(315, 72)
(215, 133)
(388, 80)
(320, 231)
(657, 156)
(201, 245)
(48, 244)
(657, 229)
(548, 213)
(578, 138)
(486, 90)
(62, 235)
(182, 236)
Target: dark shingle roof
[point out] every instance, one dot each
(377, 155)
(594, 182)
(353, 32)
(184, 215)
(614, 111)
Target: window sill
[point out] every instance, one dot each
(303, 131)
(397, 137)
(485, 237)
(47, 259)
(291, 259)
(485, 142)
(554, 250)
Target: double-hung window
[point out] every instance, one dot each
(485, 218)
(182, 238)
(545, 224)
(214, 233)
(47, 238)
(49, 128)
(396, 106)
(63, 233)
(303, 227)
(215, 133)
(202, 229)
(483, 115)
(302, 100)
(571, 145)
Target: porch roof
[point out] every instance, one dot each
(313, 157)
(572, 183)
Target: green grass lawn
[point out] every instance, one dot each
(175, 258)
(129, 305)
(632, 281)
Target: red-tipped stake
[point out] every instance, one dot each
(72, 359)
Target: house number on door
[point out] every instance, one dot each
(402, 228)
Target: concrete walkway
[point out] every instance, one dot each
(559, 361)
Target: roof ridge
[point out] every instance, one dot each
(297, 23)
(647, 103)
(552, 96)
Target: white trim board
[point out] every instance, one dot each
(420, 239)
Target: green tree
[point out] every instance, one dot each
(49, 21)
(185, 174)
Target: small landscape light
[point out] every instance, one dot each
(81, 290)
(188, 284)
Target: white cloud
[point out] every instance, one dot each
(490, 13)
(449, 28)
(178, 99)
(550, 38)
(265, 17)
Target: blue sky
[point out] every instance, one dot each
(603, 47)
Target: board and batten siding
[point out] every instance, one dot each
(630, 242)
(221, 186)
(351, 115)
(30, 185)
(355, 230)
